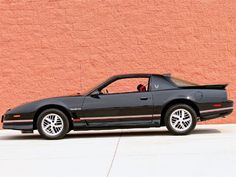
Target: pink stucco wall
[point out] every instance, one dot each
(57, 47)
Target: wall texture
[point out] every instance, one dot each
(57, 47)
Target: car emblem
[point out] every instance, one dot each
(156, 86)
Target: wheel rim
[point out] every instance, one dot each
(52, 124)
(181, 120)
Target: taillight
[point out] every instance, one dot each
(217, 105)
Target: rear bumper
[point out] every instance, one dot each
(224, 110)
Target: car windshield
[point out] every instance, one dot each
(180, 82)
(87, 91)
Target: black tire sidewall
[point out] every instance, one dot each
(65, 123)
(180, 106)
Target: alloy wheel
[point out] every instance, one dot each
(52, 124)
(180, 120)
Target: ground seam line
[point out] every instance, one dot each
(114, 155)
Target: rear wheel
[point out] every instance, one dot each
(52, 124)
(180, 119)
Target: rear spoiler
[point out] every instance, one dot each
(219, 86)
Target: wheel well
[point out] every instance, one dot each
(61, 108)
(178, 101)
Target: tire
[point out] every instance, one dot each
(180, 119)
(52, 124)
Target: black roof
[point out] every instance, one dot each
(136, 75)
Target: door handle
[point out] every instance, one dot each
(143, 98)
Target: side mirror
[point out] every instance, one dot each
(95, 94)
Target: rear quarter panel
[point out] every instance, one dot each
(201, 97)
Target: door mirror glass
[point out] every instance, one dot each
(95, 93)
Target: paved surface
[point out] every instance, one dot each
(209, 151)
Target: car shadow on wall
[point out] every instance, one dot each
(102, 134)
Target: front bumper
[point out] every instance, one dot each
(16, 124)
(224, 110)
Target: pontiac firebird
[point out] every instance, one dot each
(164, 101)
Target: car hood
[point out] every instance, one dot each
(65, 101)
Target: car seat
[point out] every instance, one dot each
(141, 88)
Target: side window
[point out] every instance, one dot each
(127, 85)
(159, 83)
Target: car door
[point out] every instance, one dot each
(123, 109)
(118, 108)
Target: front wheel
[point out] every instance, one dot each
(52, 124)
(180, 119)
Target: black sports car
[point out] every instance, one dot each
(124, 101)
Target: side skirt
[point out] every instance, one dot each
(82, 125)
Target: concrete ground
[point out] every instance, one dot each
(210, 151)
